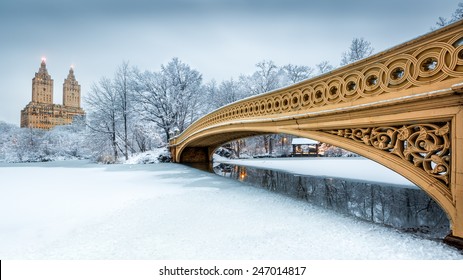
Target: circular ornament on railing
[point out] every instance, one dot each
(296, 99)
(374, 81)
(255, 111)
(241, 110)
(351, 86)
(285, 102)
(262, 107)
(250, 107)
(246, 109)
(277, 104)
(335, 88)
(319, 96)
(396, 76)
(430, 62)
(429, 65)
(370, 83)
(269, 105)
(307, 93)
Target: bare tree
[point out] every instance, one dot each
(102, 103)
(456, 16)
(359, 48)
(297, 73)
(124, 94)
(324, 67)
(441, 22)
(265, 79)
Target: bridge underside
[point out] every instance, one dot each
(402, 108)
(200, 150)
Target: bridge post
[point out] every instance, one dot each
(455, 238)
(173, 153)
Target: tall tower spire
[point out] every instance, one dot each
(43, 65)
(71, 90)
(42, 85)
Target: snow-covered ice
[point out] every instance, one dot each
(80, 210)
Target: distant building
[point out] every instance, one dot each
(304, 147)
(41, 112)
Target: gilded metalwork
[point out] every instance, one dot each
(427, 146)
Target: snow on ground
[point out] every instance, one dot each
(355, 168)
(80, 210)
(148, 157)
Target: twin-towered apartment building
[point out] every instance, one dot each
(41, 112)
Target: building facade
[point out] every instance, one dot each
(41, 112)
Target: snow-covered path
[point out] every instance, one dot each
(78, 210)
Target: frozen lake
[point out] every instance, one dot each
(79, 210)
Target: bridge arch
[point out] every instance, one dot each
(432, 186)
(402, 108)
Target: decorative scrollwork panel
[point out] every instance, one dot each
(427, 146)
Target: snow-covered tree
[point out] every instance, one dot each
(458, 13)
(103, 117)
(67, 141)
(26, 146)
(227, 92)
(169, 98)
(112, 115)
(359, 48)
(6, 138)
(146, 137)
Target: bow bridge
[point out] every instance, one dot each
(402, 108)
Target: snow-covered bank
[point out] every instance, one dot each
(349, 168)
(149, 157)
(78, 210)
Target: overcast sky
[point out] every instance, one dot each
(219, 38)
